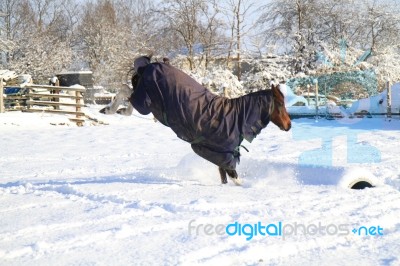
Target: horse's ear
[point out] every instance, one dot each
(150, 54)
(276, 90)
(274, 87)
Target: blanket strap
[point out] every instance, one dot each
(244, 148)
(197, 140)
(236, 151)
(165, 118)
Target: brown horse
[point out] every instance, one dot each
(278, 115)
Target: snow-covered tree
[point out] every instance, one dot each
(333, 36)
(219, 80)
(41, 56)
(38, 29)
(291, 25)
(112, 33)
(317, 37)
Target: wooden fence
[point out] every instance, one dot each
(14, 102)
(1, 95)
(41, 97)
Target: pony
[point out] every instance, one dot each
(215, 126)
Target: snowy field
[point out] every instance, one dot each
(132, 193)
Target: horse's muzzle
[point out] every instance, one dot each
(287, 128)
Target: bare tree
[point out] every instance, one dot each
(183, 18)
(381, 23)
(302, 27)
(139, 16)
(7, 8)
(237, 11)
(210, 35)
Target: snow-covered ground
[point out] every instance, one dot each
(132, 193)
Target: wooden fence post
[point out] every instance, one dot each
(316, 98)
(1, 95)
(389, 99)
(30, 99)
(78, 95)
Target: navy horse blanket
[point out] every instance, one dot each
(215, 126)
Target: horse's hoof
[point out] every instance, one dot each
(237, 181)
(121, 111)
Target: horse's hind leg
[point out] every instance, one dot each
(126, 111)
(222, 173)
(123, 93)
(234, 177)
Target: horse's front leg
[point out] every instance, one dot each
(232, 174)
(222, 173)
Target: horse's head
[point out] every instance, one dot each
(279, 115)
